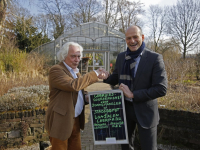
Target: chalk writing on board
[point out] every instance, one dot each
(108, 118)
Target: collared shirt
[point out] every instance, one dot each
(80, 100)
(137, 60)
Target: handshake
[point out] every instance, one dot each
(102, 73)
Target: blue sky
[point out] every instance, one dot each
(32, 5)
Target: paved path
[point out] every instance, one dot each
(86, 134)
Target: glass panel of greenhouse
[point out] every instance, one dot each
(101, 44)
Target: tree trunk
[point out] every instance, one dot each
(3, 6)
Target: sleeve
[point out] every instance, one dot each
(59, 79)
(113, 78)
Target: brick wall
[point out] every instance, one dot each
(27, 127)
(179, 128)
(22, 128)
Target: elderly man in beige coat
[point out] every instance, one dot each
(65, 114)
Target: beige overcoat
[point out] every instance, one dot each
(63, 97)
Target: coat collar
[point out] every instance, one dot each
(67, 71)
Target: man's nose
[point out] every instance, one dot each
(132, 40)
(77, 59)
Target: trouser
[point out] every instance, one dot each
(72, 143)
(148, 137)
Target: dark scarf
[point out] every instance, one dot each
(127, 73)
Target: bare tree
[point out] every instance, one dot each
(184, 24)
(128, 12)
(110, 9)
(156, 16)
(168, 45)
(6, 8)
(84, 11)
(57, 10)
(43, 23)
(109, 13)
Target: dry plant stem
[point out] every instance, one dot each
(28, 70)
(12, 80)
(182, 97)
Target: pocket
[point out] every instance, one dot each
(60, 110)
(152, 103)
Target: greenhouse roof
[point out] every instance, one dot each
(93, 30)
(93, 36)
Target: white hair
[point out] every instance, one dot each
(63, 52)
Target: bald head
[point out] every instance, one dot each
(134, 37)
(134, 27)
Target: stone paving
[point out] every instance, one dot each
(86, 134)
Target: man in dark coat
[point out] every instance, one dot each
(141, 76)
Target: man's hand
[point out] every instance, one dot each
(103, 74)
(126, 90)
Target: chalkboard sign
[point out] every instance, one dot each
(108, 117)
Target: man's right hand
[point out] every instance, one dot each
(103, 74)
(127, 92)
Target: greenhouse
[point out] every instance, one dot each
(101, 44)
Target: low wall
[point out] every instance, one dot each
(27, 127)
(18, 128)
(179, 128)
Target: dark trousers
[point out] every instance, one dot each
(148, 137)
